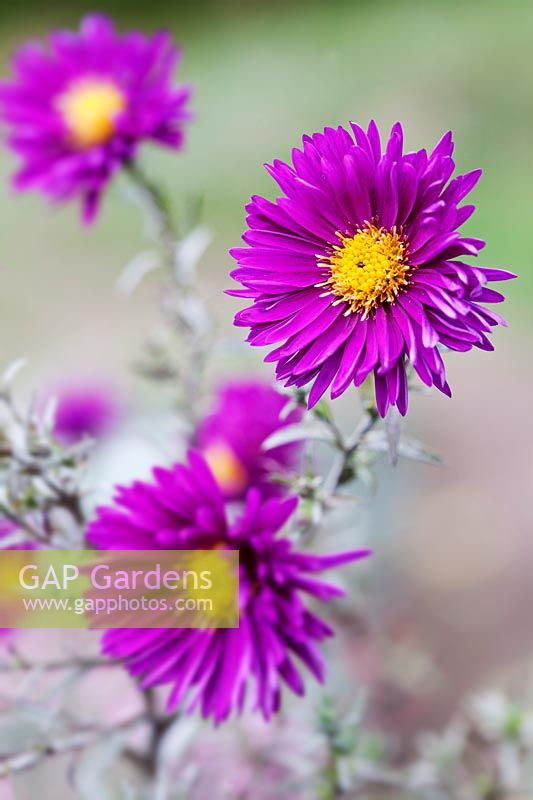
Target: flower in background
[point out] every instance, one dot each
(10, 531)
(359, 267)
(246, 412)
(218, 670)
(78, 108)
(89, 410)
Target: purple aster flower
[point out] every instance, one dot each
(218, 670)
(246, 412)
(359, 267)
(8, 529)
(88, 409)
(79, 107)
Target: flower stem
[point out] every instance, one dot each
(342, 470)
(74, 742)
(156, 209)
(183, 307)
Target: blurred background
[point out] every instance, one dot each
(453, 546)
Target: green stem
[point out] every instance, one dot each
(342, 471)
(182, 306)
(331, 789)
(156, 208)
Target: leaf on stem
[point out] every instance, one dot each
(11, 372)
(299, 432)
(392, 427)
(408, 448)
(190, 250)
(136, 270)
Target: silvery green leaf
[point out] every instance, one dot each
(509, 764)
(408, 448)
(414, 450)
(190, 250)
(137, 269)
(392, 428)
(300, 431)
(90, 773)
(366, 476)
(310, 513)
(23, 729)
(47, 418)
(13, 370)
(128, 791)
(173, 750)
(178, 737)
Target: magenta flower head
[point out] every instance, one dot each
(359, 267)
(79, 107)
(219, 670)
(85, 410)
(8, 530)
(245, 414)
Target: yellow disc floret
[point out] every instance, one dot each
(227, 469)
(367, 269)
(89, 109)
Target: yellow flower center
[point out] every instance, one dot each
(89, 109)
(367, 269)
(228, 471)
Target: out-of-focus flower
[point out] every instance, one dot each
(215, 670)
(79, 107)
(246, 412)
(12, 539)
(84, 410)
(359, 267)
